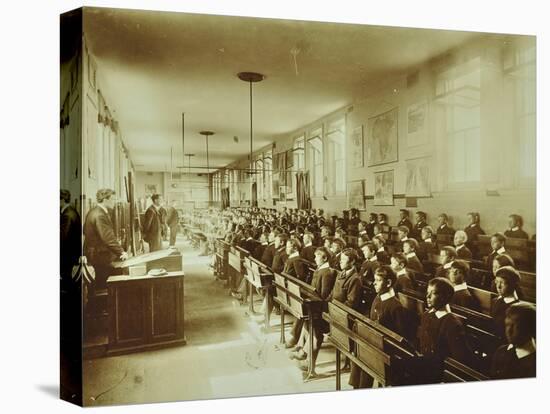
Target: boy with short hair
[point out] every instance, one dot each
(441, 333)
(387, 310)
(410, 246)
(518, 358)
(458, 274)
(448, 255)
(460, 240)
(507, 284)
(404, 279)
(402, 235)
(381, 253)
(497, 244)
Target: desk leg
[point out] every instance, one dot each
(267, 310)
(250, 298)
(282, 338)
(310, 358)
(338, 372)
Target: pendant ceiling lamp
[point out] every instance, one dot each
(251, 77)
(207, 134)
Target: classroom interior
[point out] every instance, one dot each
(231, 118)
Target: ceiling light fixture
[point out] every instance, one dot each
(251, 77)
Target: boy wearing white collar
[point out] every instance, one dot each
(381, 253)
(448, 255)
(410, 246)
(402, 235)
(460, 240)
(458, 273)
(308, 251)
(441, 333)
(404, 279)
(507, 287)
(518, 358)
(427, 245)
(371, 262)
(387, 310)
(497, 244)
(294, 265)
(515, 231)
(444, 227)
(473, 230)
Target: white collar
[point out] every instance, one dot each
(295, 254)
(428, 240)
(373, 259)
(459, 246)
(510, 299)
(388, 295)
(381, 249)
(526, 350)
(323, 266)
(308, 244)
(401, 272)
(448, 265)
(363, 232)
(462, 286)
(515, 228)
(473, 225)
(103, 208)
(404, 238)
(250, 238)
(502, 250)
(264, 244)
(64, 208)
(443, 225)
(441, 313)
(410, 255)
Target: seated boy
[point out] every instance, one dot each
(280, 257)
(336, 248)
(294, 265)
(458, 273)
(507, 283)
(308, 251)
(497, 244)
(410, 246)
(516, 231)
(381, 253)
(402, 235)
(387, 310)
(441, 333)
(371, 262)
(517, 359)
(373, 219)
(444, 227)
(448, 255)
(404, 219)
(460, 240)
(347, 287)
(404, 279)
(362, 228)
(427, 245)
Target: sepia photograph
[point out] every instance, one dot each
(236, 213)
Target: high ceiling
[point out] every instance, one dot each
(152, 66)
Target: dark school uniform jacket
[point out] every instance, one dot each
(507, 365)
(308, 253)
(294, 266)
(464, 253)
(347, 288)
(279, 260)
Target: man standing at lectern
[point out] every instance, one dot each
(101, 246)
(152, 225)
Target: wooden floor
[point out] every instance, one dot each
(227, 354)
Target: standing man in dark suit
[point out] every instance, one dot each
(172, 220)
(70, 238)
(152, 225)
(444, 227)
(101, 246)
(404, 219)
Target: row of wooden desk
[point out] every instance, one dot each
(386, 356)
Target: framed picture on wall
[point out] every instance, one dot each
(356, 195)
(418, 178)
(357, 150)
(382, 138)
(383, 188)
(417, 124)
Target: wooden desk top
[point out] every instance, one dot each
(126, 278)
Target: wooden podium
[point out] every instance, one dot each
(145, 312)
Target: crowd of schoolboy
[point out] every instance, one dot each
(368, 278)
